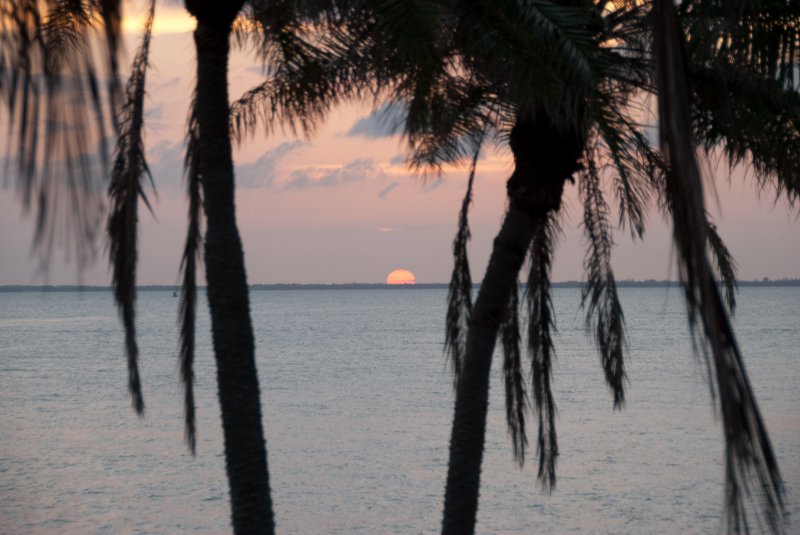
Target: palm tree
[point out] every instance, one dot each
(47, 66)
(210, 187)
(673, 177)
(675, 181)
(562, 83)
(454, 97)
(209, 160)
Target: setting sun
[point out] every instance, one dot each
(401, 276)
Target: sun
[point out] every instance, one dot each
(401, 276)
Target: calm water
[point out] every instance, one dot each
(358, 405)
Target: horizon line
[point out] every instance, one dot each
(629, 283)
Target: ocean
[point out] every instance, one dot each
(357, 403)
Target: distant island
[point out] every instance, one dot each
(648, 283)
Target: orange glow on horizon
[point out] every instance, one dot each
(401, 276)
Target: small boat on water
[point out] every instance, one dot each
(174, 294)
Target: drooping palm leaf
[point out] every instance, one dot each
(125, 191)
(753, 121)
(111, 14)
(536, 53)
(726, 265)
(56, 115)
(762, 37)
(513, 378)
(631, 160)
(188, 305)
(300, 89)
(748, 452)
(599, 295)
(541, 327)
(459, 299)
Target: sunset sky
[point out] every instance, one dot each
(341, 207)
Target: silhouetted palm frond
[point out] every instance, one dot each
(298, 92)
(541, 325)
(513, 378)
(748, 452)
(311, 59)
(463, 115)
(459, 299)
(536, 54)
(726, 265)
(744, 60)
(633, 162)
(125, 190)
(752, 120)
(762, 37)
(50, 87)
(191, 254)
(604, 309)
(111, 15)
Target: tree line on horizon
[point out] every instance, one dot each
(563, 84)
(622, 283)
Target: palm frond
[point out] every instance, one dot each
(459, 299)
(726, 265)
(516, 397)
(56, 119)
(188, 305)
(297, 95)
(541, 326)
(313, 59)
(632, 162)
(125, 190)
(461, 114)
(753, 120)
(537, 54)
(111, 14)
(762, 37)
(599, 295)
(748, 452)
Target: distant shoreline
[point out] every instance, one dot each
(650, 283)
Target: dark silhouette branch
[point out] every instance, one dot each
(125, 190)
(748, 452)
(459, 300)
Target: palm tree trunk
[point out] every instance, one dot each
(472, 395)
(232, 332)
(545, 157)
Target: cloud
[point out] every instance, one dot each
(259, 70)
(263, 172)
(385, 230)
(400, 159)
(153, 113)
(315, 177)
(166, 163)
(169, 82)
(385, 191)
(385, 121)
(436, 184)
(154, 118)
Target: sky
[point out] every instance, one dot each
(342, 207)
